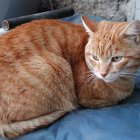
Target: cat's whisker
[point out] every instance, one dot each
(128, 71)
(127, 76)
(90, 77)
(129, 68)
(132, 74)
(93, 80)
(86, 77)
(89, 72)
(89, 80)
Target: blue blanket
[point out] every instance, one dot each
(121, 122)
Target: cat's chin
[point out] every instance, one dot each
(108, 80)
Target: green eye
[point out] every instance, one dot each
(95, 57)
(116, 58)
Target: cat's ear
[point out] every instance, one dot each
(132, 32)
(88, 25)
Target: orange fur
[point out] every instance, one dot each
(43, 68)
(36, 78)
(106, 40)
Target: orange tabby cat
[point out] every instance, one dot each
(49, 67)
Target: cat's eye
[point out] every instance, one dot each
(116, 58)
(95, 57)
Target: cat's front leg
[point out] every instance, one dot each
(100, 94)
(89, 100)
(95, 103)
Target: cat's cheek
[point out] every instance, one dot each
(90, 64)
(121, 64)
(115, 69)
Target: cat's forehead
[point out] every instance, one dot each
(111, 27)
(104, 48)
(105, 40)
(108, 32)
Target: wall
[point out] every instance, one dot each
(137, 13)
(120, 10)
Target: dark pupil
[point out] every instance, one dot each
(115, 58)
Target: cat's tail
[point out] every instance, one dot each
(19, 128)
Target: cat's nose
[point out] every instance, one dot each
(104, 74)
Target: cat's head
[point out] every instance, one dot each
(113, 49)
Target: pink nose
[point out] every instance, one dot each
(104, 74)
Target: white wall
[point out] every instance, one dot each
(119, 10)
(137, 11)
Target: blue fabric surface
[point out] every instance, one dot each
(121, 122)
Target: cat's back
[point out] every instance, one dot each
(41, 35)
(33, 65)
(44, 27)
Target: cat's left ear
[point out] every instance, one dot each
(88, 25)
(132, 31)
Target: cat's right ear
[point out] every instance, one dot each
(88, 25)
(132, 32)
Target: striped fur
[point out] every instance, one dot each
(13, 130)
(35, 74)
(110, 81)
(43, 72)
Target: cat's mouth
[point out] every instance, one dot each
(107, 79)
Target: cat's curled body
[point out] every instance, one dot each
(42, 74)
(36, 78)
